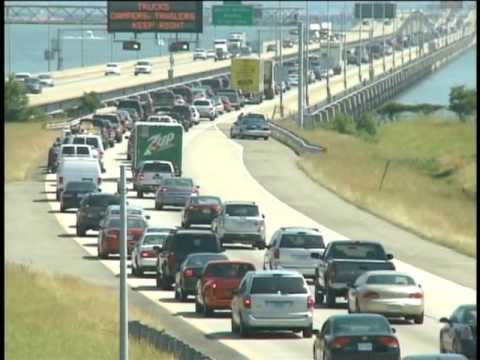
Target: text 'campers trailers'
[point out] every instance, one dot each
(158, 141)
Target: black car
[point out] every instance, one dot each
(33, 85)
(190, 271)
(183, 115)
(92, 209)
(179, 244)
(356, 336)
(74, 192)
(201, 210)
(459, 335)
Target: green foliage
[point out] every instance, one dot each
(343, 124)
(392, 108)
(367, 123)
(462, 101)
(16, 101)
(90, 102)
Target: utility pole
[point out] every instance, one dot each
(329, 94)
(260, 45)
(82, 44)
(360, 47)
(344, 47)
(123, 267)
(300, 75)
(281, 58)
(307, 39)
(370, 39)
(383, 36)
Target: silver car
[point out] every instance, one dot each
(206, 108)
(291, 248)
(389, 293)
(272, 300)
(175, 192)
(250, 127)
(149, 175)
(240, 222)
(144, 257)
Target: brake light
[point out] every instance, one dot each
(276, 253)
(214, 285)
(371, 295)
(188, 273)
(417, 295)
(389, 341)
(466, 333)
(147, 254)
(247, 302)
(60, 180)
(140, 176)
(163, 189)
(310, 302)
(340, 342)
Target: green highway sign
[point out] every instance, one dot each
(232, 15)
(232, 2)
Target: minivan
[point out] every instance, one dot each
(75, 151)
(134, 104)
(77, 169)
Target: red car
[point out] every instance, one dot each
(214, 288)
(109, 235)
(227, 105)
(201, 210)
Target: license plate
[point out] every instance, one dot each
(365, 346)
(278, 305)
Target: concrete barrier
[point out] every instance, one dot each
(293, 141)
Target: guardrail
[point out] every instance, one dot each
(165, 342)
(293, 141)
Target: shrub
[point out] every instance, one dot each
(90, 102)
(462, 101)
(343, 123)
(367, 123)
(16, 101)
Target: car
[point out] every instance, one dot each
(240, 222)
(95, 141)
(195, 115)
(46, 80)
(144, 257)
(77, 169)
(143, 67)
(112, 68)
(291, 248)
(250, 127)
(293, 79)
(33, 85)
(91, 210)
(389, 293)
(179, 244)
(459, 334)
(233, 96)
(205, 108)
(356, 336)
(226, 104)
(211, 54)
(218, 104)
(183, 114)
(149, 175)
(201, 210)
(73, 193)
(272, 300)
(179, 100)
(22, 76)
(199, 94)
(190, 270)
(215, 285)
(438, 356)
(200, 54)
(109, 234)
(174, 191)
(114, 210)
(326, 72)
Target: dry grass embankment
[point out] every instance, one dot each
(430, 186)
(26, 145)
(63, 317)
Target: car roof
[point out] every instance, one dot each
(355, 242)
(388, 272)
(215, 262)
(299, 229)
(239, 203)
(273, 273)
(191, 231)
(363, 315)
(435, 356)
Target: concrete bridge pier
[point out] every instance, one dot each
(331, 113)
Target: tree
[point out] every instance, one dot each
(367, 123)
(462, 101)
(343, 123)
(90, 102)
(16, 101)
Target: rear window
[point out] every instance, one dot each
(79, 140)
(131, 223)
(390, 280)
(154, 239)
(254, 121)
(191, 243)
(178, 182)
(276, 284)
(228, 270)
(201, 260)
(358, 251)
(103, 200)
(156, 167)
(241, 210)
(202, 103)
(93, 142)
(302, 241)
(205, 200)
(80, 186)
(360, 326)
(83, 150)
(68, 150)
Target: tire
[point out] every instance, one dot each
(307, 332)
(418, 319)
(158, 280)
(442, 349)
(455, 348)
(234, 326)
(57, 195)
(158, 206)
(186, 225)
(101, 255)
(331, 300)
(139, 194)
(62, 208)
(265, 137)
(80, 231)
(232, 136)
(182, 295)
(198, 306)
(260, 245)
(207, 311)
(244, 329)
(319, 296)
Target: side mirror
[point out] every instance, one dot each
(389, 256)
(157, 249)
(147, 217)
(315, 256)
(444, 320)
(316, 332)
(263, 216)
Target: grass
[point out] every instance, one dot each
(63, 317)
(26, 144)
(429, 188)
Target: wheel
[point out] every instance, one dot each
(159, 281)
(139, 272)
(62, 208)
(265, 137)
(186, 225)
(455, 347)
(156, 206)
(182, 295)
(418, 319)
(331, 299)
(176, 294)
(164, 284)
(57, 195)
(319, 296)
(198, 306)
(244, 329)
(140, 194)
(234, 326)
(101, 254)
(442, 349)
(80, 231)
(231, 135)
(212, 118)
(207, 311)
(261, 245)
(307, 332)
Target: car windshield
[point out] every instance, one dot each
(83, 150)
(80, 186)
(279, 284)
(201, 103)
(228, 270)
(103, 200)
(358, 251)
(200, 260)
(241, 210)
(44, 76)
(302, 241)
(203, 200)
(78, 140)
(154, 239)
(390, 279)
(68, 150)
(143, 63)
(157, 167)
(131, 223)
(178, 182)
(360, 325)
(191, 243)
(93, 142)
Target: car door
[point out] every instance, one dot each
(322, 340)
(449, 333)
(269, 252)
(237, 301)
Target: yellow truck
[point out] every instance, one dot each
(248, 76)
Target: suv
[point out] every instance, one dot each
(149, 174)
(250, 126)
(240, 221)
(179, 244)
(200, 54)
(143, 67)
(206, 108)
(91, 210)
(291, 248)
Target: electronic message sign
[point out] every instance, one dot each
(155, 16)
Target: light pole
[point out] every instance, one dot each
(281, 58)
(300, 75)
(383, 36)
(307, 39)
(344, 48)
(360, 47)
(329, 94)
(123, 267)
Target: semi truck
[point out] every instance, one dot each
(248, 76)
(268, 79)
(158, 141)
(331, 57)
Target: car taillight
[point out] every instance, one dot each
(371, 295)
(247, 302)
(60, 180)
(310, 302)
(193, 207)
(140, 176)
(147, 253)
(340, 342)
(163, 189)
(188, 272)
(214, 285)
(276, 253)
(466, 333)
(389, 341)
(417, 295)
(112, 233)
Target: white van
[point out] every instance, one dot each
(77, 169)
(75, 151)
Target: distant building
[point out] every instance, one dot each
(451, 4)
